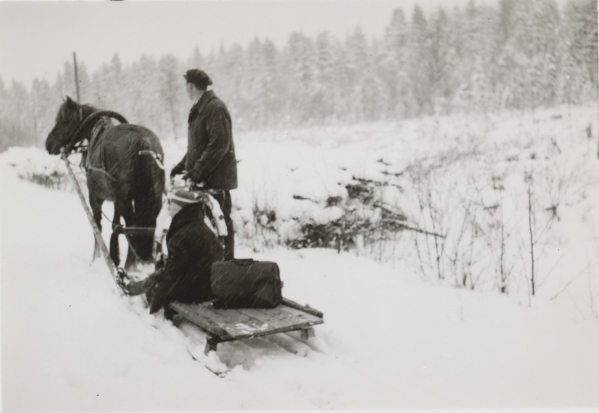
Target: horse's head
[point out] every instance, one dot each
(70, 129)
(67, 122)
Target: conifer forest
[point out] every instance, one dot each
(518, 54)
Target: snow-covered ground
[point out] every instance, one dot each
(391, 339)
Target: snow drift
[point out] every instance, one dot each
(392, 337)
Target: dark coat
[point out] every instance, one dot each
(192, 248)
(210, 146)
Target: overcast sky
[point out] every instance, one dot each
(37, 38)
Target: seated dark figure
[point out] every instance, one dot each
(192, 248)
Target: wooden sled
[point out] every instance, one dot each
(236, 324)
(221, 325)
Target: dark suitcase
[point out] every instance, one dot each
(245, 283)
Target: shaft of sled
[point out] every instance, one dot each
(304, 308)
(90, 217)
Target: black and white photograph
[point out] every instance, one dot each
(283, 205)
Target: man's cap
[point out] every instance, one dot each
(183, 197)
(198, 77)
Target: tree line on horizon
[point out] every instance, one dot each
(519, 54)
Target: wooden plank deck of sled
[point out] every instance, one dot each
(236, 324)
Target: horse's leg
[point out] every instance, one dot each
(125, 209)
(96, 205)
(114, 238)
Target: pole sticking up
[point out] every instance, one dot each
(77, 84)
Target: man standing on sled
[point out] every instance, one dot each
(210, 159)
(192, 248)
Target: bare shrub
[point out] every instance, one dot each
(366, 219)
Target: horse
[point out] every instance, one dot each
(123, 164)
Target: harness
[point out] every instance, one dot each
(85, 147)
(101, 126)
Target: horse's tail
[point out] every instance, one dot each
(149, 178)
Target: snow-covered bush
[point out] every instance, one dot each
(35, 165)
(497, 207)
(362, 217)
(257, 226)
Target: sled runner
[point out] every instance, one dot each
(223, 325)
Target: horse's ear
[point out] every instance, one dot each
(71, 103)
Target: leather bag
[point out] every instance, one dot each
(246, 283)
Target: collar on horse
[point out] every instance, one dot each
(75, 144)
(76, 140)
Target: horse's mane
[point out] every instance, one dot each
(65, 115)
(90, 116)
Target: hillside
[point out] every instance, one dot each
(396, 335)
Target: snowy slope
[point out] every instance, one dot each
(390, 340)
